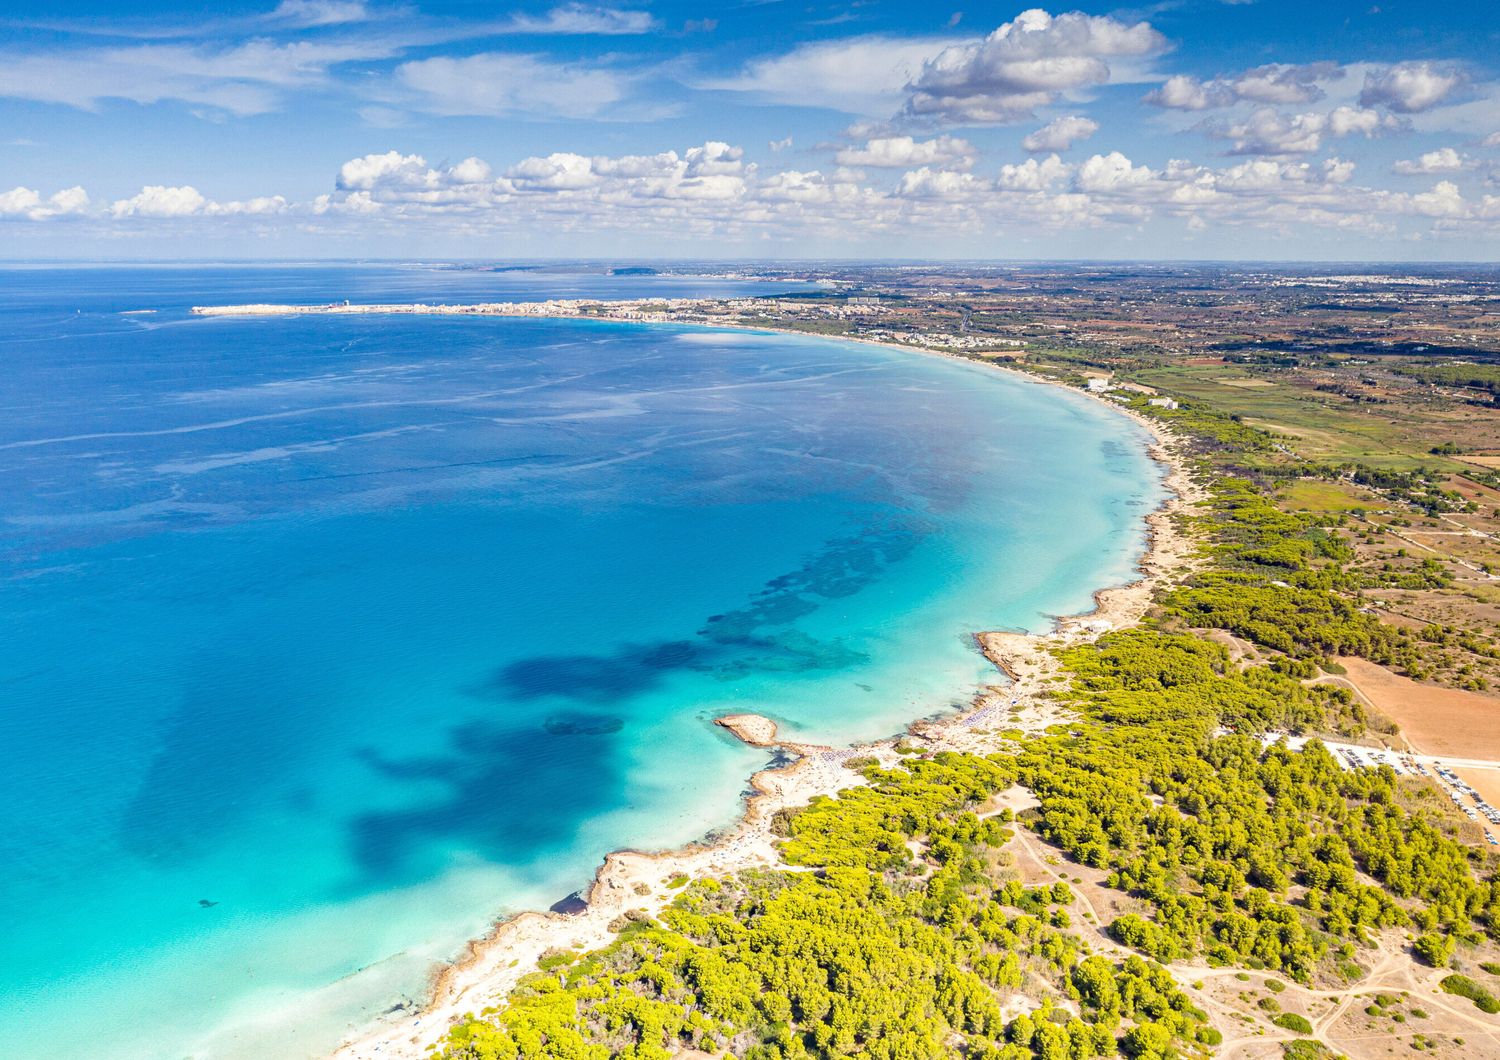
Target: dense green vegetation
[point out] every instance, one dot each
(1290, 1021)
(1305, 1049)
(1170, 787)
(1436, 950)
(875, 953)
(1212, 430)
(1234, 826)
(1278, 579)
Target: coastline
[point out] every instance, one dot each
(630, 880)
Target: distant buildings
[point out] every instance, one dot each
(1162, 402)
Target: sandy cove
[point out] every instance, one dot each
(636, 881)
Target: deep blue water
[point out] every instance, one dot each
(326, 640)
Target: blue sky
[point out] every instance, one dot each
(1191, 129)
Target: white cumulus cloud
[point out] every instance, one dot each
(372, 170)
(1270, 132)
(157, 200)
(377, 179)
(27, 204)
(561, 171)
(1181, 92)
(1060, 134)
(260, 206)
(1444, 200)
(1282, 83)
(929, 183)
(1443, 160)
(1025, 64)
(1411, 87)
(1033, 174)
(903, 152)
(1111, 172)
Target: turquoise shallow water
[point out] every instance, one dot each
(328, 640)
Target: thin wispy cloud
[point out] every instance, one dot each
(244, 79)
(860, 75)
(585, 19)
(321, 12)
(496, 84)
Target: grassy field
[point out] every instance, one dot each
(1312, 495)
(1324, 426)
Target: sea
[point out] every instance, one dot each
(327, 641)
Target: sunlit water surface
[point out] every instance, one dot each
(327, 640)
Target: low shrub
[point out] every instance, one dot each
(1463, 986)
(1290, 1021)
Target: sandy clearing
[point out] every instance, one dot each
(1435, 721)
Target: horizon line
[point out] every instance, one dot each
(720, 262)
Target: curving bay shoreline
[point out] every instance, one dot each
(630, 881)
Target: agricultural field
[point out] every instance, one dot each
(1393, 426)
(1313, 495)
